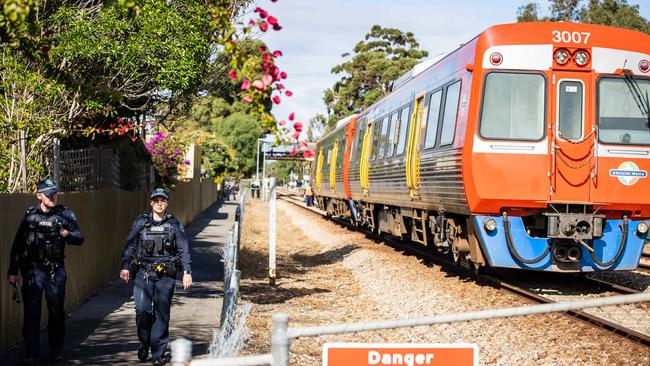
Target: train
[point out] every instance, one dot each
(527, 147)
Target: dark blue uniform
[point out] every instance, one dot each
(38, 251)
(154, 251)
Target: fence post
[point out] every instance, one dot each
(272, 234)
(280, 339)
(181, 352)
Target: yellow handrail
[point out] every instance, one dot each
(412, 153)
(319, 168)
(335, 152)
(364, 166)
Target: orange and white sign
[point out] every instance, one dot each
(399, 354)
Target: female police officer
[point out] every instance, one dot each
(38, 251)
(155, 248)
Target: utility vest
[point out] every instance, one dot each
(157, 242)
(45, 246)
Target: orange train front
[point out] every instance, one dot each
(527, 147)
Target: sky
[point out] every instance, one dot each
(316, 32)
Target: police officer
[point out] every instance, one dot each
(38, 252)
(155, 249)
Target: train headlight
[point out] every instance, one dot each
(581, 58)
(490, 224)
(561, 57)
(642, 228)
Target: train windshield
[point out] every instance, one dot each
(622, 119)
(513, 107)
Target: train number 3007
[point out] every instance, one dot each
(570, 37)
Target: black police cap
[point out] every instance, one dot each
(47, 186)
(159, 192)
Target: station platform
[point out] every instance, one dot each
(102, 331)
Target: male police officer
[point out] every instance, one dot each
(38, 251)
(154, 248)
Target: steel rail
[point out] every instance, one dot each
(424, 253)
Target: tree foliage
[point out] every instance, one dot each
(615, 13)
(382, 57)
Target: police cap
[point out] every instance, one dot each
(159, 192)
(47, 186)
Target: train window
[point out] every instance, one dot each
(570, 109)
(392, 135)
(432, 119)
(359, 143)
(513, 107)
(382, 138)
(620, 119)
(341, 152)
(375, 139)
(404, 117)
(450, 113)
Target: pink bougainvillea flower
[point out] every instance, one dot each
(245, 85)
(251, 22)
(277, 53)
(308, 154)
(275, 71)
(293, 151)
(264, 26)
(263, 13)
(272, 20)
(112, 125)
(232, 74)
(267, 57)
(292, 116)
(247, 99)
(295, 135)
(288, 93)
(282, 122)
(283, 75)
(259, 85)
(120, 120)
(262, 48)
(267, 80)
(302, 144)
(265, 66)
(280, 86)
(297, 126)
(276, 99)
(276, 27)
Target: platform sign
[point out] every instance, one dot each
(399, 354)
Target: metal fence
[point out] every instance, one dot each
(281, 334)
(95, 168)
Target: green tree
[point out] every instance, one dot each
(218, 159)
(616, 13)
(382, 57)
(240, 132)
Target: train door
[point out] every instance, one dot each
(347, 159)
(572, 143)
(364, 166)
(413, 149)
(333, 164)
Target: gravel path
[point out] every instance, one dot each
(329, 275)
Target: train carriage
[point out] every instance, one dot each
(527, 147)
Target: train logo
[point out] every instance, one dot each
(628, 173)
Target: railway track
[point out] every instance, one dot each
(495, 280)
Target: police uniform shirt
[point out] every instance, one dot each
(34, 216)
(132, 241)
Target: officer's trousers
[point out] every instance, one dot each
(153, 300)
(35, 281)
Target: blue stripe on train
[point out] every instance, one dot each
(497, 253)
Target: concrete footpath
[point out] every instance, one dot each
(102, 330)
